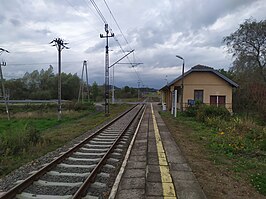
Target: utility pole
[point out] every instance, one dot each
(60, 45)
(81, 87)
(106, 86)
(2, 82)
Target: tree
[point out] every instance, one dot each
(43, 85)
(70, 85)
(248, 45)
(94, 91)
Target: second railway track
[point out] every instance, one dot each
(86, 170)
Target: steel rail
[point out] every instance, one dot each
(83, 188)
(28, 181)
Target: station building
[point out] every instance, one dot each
(200, 83)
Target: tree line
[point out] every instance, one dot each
(43, 84)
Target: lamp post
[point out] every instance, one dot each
(182, 82)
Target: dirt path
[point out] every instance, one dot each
(215, 179)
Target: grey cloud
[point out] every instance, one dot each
(2, 19)
(44, 31)
(98, 47)
(15, 22)
(157, 30)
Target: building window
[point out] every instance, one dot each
(198, 95)
(217, 100)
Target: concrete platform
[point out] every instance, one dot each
(156, 168)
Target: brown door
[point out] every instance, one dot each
(213, 100)
(221, 100)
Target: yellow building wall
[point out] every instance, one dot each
(210, 83)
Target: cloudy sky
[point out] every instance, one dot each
(157, 30)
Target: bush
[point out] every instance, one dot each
(191, 111)
(204, 112)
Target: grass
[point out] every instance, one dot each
(238, 146)
(24, 139)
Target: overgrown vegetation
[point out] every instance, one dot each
(239, 139)
(28, 136)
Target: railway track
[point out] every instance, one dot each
(86, 170)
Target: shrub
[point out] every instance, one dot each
(191, 111)
(205, 112)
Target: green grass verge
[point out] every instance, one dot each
(245, 157)
(23, 140)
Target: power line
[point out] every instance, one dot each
(115, 38)
(98, 11)
(117, 23)
(87, 3)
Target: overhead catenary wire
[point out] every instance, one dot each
(117, 24)
(98, 11)
(138, 75)
(80, 12)
(115, 38)
(92, 11)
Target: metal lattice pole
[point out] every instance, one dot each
(106, 76)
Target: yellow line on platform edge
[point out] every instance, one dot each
(167, 183)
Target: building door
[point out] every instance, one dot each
(217, 100)
(221, 101)
(213, 100)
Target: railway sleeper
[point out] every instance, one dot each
(56, 173)
(101, 142)
(25, 195)
(97, 145)
(78, 153)
(60, 184)
(104, 139)
(94, 150)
